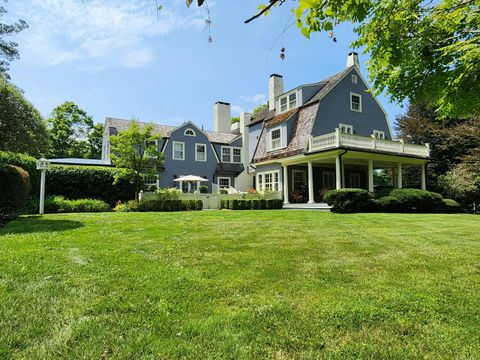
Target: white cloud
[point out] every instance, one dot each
(256, 99)
(112, 31)
(237, 109)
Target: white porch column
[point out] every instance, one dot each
(180, 184)
(198, 186)
(189, 187)
(399, 176)
(424, 178)
(370, 175)
(42, 192)
(285, 184)
(311, 199)
(338, 173)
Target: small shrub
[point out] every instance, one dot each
(262, 204)
(241, 204)
(350, 200)
(168, 194)
(203, 189)
(233, 204)
(14, 189)
(416, 200)
(168, 205)
(388, 204)
(248, 204)
(26, 162)
(223, 191)
(255, 203)
(58, 204)
(270, 204)
(451, 206)
(199, 205)
(277, 204)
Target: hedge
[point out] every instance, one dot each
(251, 204)
(58, 204)
(27, 163)
(79, 182)
(14, 189)
(350, 200)
(168, 205)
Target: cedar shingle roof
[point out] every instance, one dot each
(280, 118)
(119, 125)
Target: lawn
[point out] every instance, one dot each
(244, 284)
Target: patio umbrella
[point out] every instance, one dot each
(190, 178)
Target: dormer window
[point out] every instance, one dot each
(189, 132)
(379, 134)
(288, 102)
(345, 128)
(356, 102)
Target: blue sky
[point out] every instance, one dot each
(115, 58)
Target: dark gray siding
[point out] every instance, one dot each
(175, 168)
(253, 137)
(308, 91)
(335, 108)
(235, 143)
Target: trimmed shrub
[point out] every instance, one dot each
(169, 205)
(27, 163)
(203, 189)
(255, 204)
(248, 204)
(14, 189)
(262, 204)
(75, 182)
(224, 204)
(168, 194)
(451, 206)
(233, 204)
(277, 204)
(350, 200)
(416, 200)
(58, 204)
(241, 204)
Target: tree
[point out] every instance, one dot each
(69, 127)
(135, 153)
(450, 139)
(22, 128)
(95, 140)
(8, 48)
(419, 50)
(235, 119)
(259, 108)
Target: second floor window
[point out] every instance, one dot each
(283, 104)
(226, 154)
(288, 102)
(276, 139)
(178, 150)
(355, 102)
(200, 152)
(237, 155)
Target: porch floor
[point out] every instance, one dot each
(304, 206)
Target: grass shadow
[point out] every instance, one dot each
(34, 224)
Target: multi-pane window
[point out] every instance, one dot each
(355, 102)
(189, 132)
(237, 155)
(200, 152)
(275, 139)
(178, 150)
(283, 104)
(223, 182)
(292, 100)
(269, 181)
(226, 154)
(299, 180)
(379, 134)
(346, 129)
(231, 154)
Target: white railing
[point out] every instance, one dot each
(338, 139)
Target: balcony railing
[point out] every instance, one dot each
(338, 139)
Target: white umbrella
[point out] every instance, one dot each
(190, 178)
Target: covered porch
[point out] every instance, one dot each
(308, 177)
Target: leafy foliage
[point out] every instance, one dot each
(58, 204)
(350, 200)
(135, 153)
(22, 128)
(14, 188)
(169, 205)
(259, 108)
(8, 48)
(69, 129)
(28, 163)
(95, 141)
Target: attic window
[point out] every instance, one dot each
(355, 102)
(276, 139)
(189, 132)
(354, 79)
(288, 102)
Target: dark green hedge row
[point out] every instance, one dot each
(14, 189)
(28, 163)
(81, 182)
(168, 205)
(251, 204)
(58, 204)
(399, 200)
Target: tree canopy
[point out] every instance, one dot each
(8, 48)
(135, 153)
(22, 128)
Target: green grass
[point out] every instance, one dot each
(246, 284)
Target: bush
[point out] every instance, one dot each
(14, 189)
(350, 200)
(224, 203)
(169, 205)
(233, 204)
(27, 163)
(255, 204)
(248, 204)
(241, 204)
(168, 194)
(203, 189)
(129, 206)
(83, 182)
(416, 200)
(58, 204)
(262, 204)
(451, 206)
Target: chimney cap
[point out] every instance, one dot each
(352, 53)
(222, 103)
(276, 75)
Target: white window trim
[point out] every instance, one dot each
(376, 133)
(346, 126)
(293, 177)
(279, 128)
(262, 185)
(231, 154)
(185, 132)
(351, 102)
(287, 96)
(173, 150)
(223, 178)
(196, 152)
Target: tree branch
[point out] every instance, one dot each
(264, 10)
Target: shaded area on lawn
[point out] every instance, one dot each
(37, 223)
